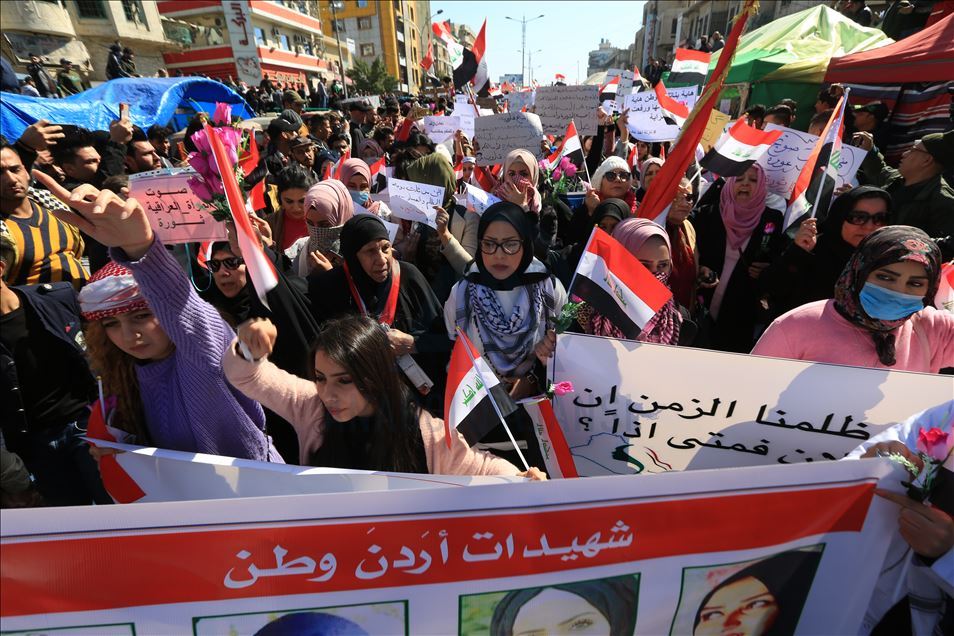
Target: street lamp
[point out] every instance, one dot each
(523, 47)
(530, 66)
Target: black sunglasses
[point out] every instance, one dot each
(617, 176)
(232, 262)
(857, 217)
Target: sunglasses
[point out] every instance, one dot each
(617, 176)
(231, 263)
(511, 247)
(857, 217)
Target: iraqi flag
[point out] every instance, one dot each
(617, 285)
(260, 269)
(815, 185)
(428, 60)
(557, 457)
(689, 67)
(469, 70)
(738, 149)
(676, 111)
(455, 51)
(471, 388)
(610, 87)
(560, 77)
(569, 147)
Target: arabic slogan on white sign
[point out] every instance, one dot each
(557, 105)
(646, 121)
(499, 134)
(628, 415)
(414, 201)
(455, 560)
(784, 160)
(175, 213)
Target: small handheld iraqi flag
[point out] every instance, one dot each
(617, 285)
(471, 387)
(610, 87)
(738, 149)
(569, 146)
(689, 67)
(676, 111)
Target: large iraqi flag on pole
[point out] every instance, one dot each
(689, 67)
(663, 189)
(617, 285)
(738, 149)
(472, 389)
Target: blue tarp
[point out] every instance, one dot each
(167, 101)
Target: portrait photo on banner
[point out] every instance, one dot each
(357, 620)
(597, 606)
(760, 597)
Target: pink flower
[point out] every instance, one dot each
(223, 114)
(562, 388)
(201, 141)
(769, 227)
(200, 189)
(200, 164)
(935, 443)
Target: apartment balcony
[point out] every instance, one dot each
(37, 17)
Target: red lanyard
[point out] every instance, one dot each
(390, 307)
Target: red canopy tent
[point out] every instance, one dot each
(926, 56)
(911, 77)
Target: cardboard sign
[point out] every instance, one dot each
(497, 135)
(440, 128)
(414, 201)
(557, 105)
(646, 121)
(784, 160)
(175, 213)
(478, 200)
(718, 122)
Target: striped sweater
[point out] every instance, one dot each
(189, 405)
(48, 250)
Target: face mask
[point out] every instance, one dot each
(885, 304)
(361, 198)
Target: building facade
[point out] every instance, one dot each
(396, 31)
(606, 57)
(82, 32)
(249, 40)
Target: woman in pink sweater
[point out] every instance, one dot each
(357, 413)
(882, 314)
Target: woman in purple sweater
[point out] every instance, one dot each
(157, 344)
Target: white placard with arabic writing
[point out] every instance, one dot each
(628, 416)
(414, 201)
(519, 99)
(440, 128)
(646, 121)
(557, 105)
(439, 561)
(626, 78)
(497, 135)
(784, 160)
(478, 200)
(175, 213)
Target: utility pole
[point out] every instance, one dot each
(335, 5)
(523, 45)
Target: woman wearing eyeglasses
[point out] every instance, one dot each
(738, 237)
(508, 300)
(882, 314)
(612, 180)
(807, 270)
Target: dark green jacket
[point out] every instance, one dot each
(931, 208)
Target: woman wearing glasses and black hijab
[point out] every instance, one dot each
(807, 270)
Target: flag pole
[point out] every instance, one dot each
(490, 395)
(841, 114)
(586, 168)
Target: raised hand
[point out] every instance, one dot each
(41, 135)
(103, 215)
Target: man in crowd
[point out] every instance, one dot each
(303, 152)
(68, 79)
(716, 42)
(280, 132)
(922, 198)
(872, 118)
(779, 115)
(47, 384)
(321, 95)
(384, 136)
(358, 116)
(292, 100)
(159, 138)
(28, 87)
(49, 250)
(319, 129)
(339, 144)
(140, 154)
(44, 83)
(857, 10)
(114, 63)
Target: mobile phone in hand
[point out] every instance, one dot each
(123, 110)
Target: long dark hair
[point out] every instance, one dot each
(394, 442)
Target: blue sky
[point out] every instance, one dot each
(565, 35)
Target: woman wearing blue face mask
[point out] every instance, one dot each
(882, 313)
(356, 175)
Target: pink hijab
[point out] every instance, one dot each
(330, 201)
(525, 157)
(354, 166)
(741, 218)
(663, 327)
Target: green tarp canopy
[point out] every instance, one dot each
(789, 56)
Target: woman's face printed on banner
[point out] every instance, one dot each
(743, 608)
(337, 390)
(556, 612)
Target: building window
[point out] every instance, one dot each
(367, 50)
(362, 4)
(364, 24)
(134, 11)
(91, 8)
(338, 26)
(260, 37)
(672, 33)
(283, 42)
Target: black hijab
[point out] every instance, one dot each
(357, 232)
(613, 208)
(521, 222)
(829, 231)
